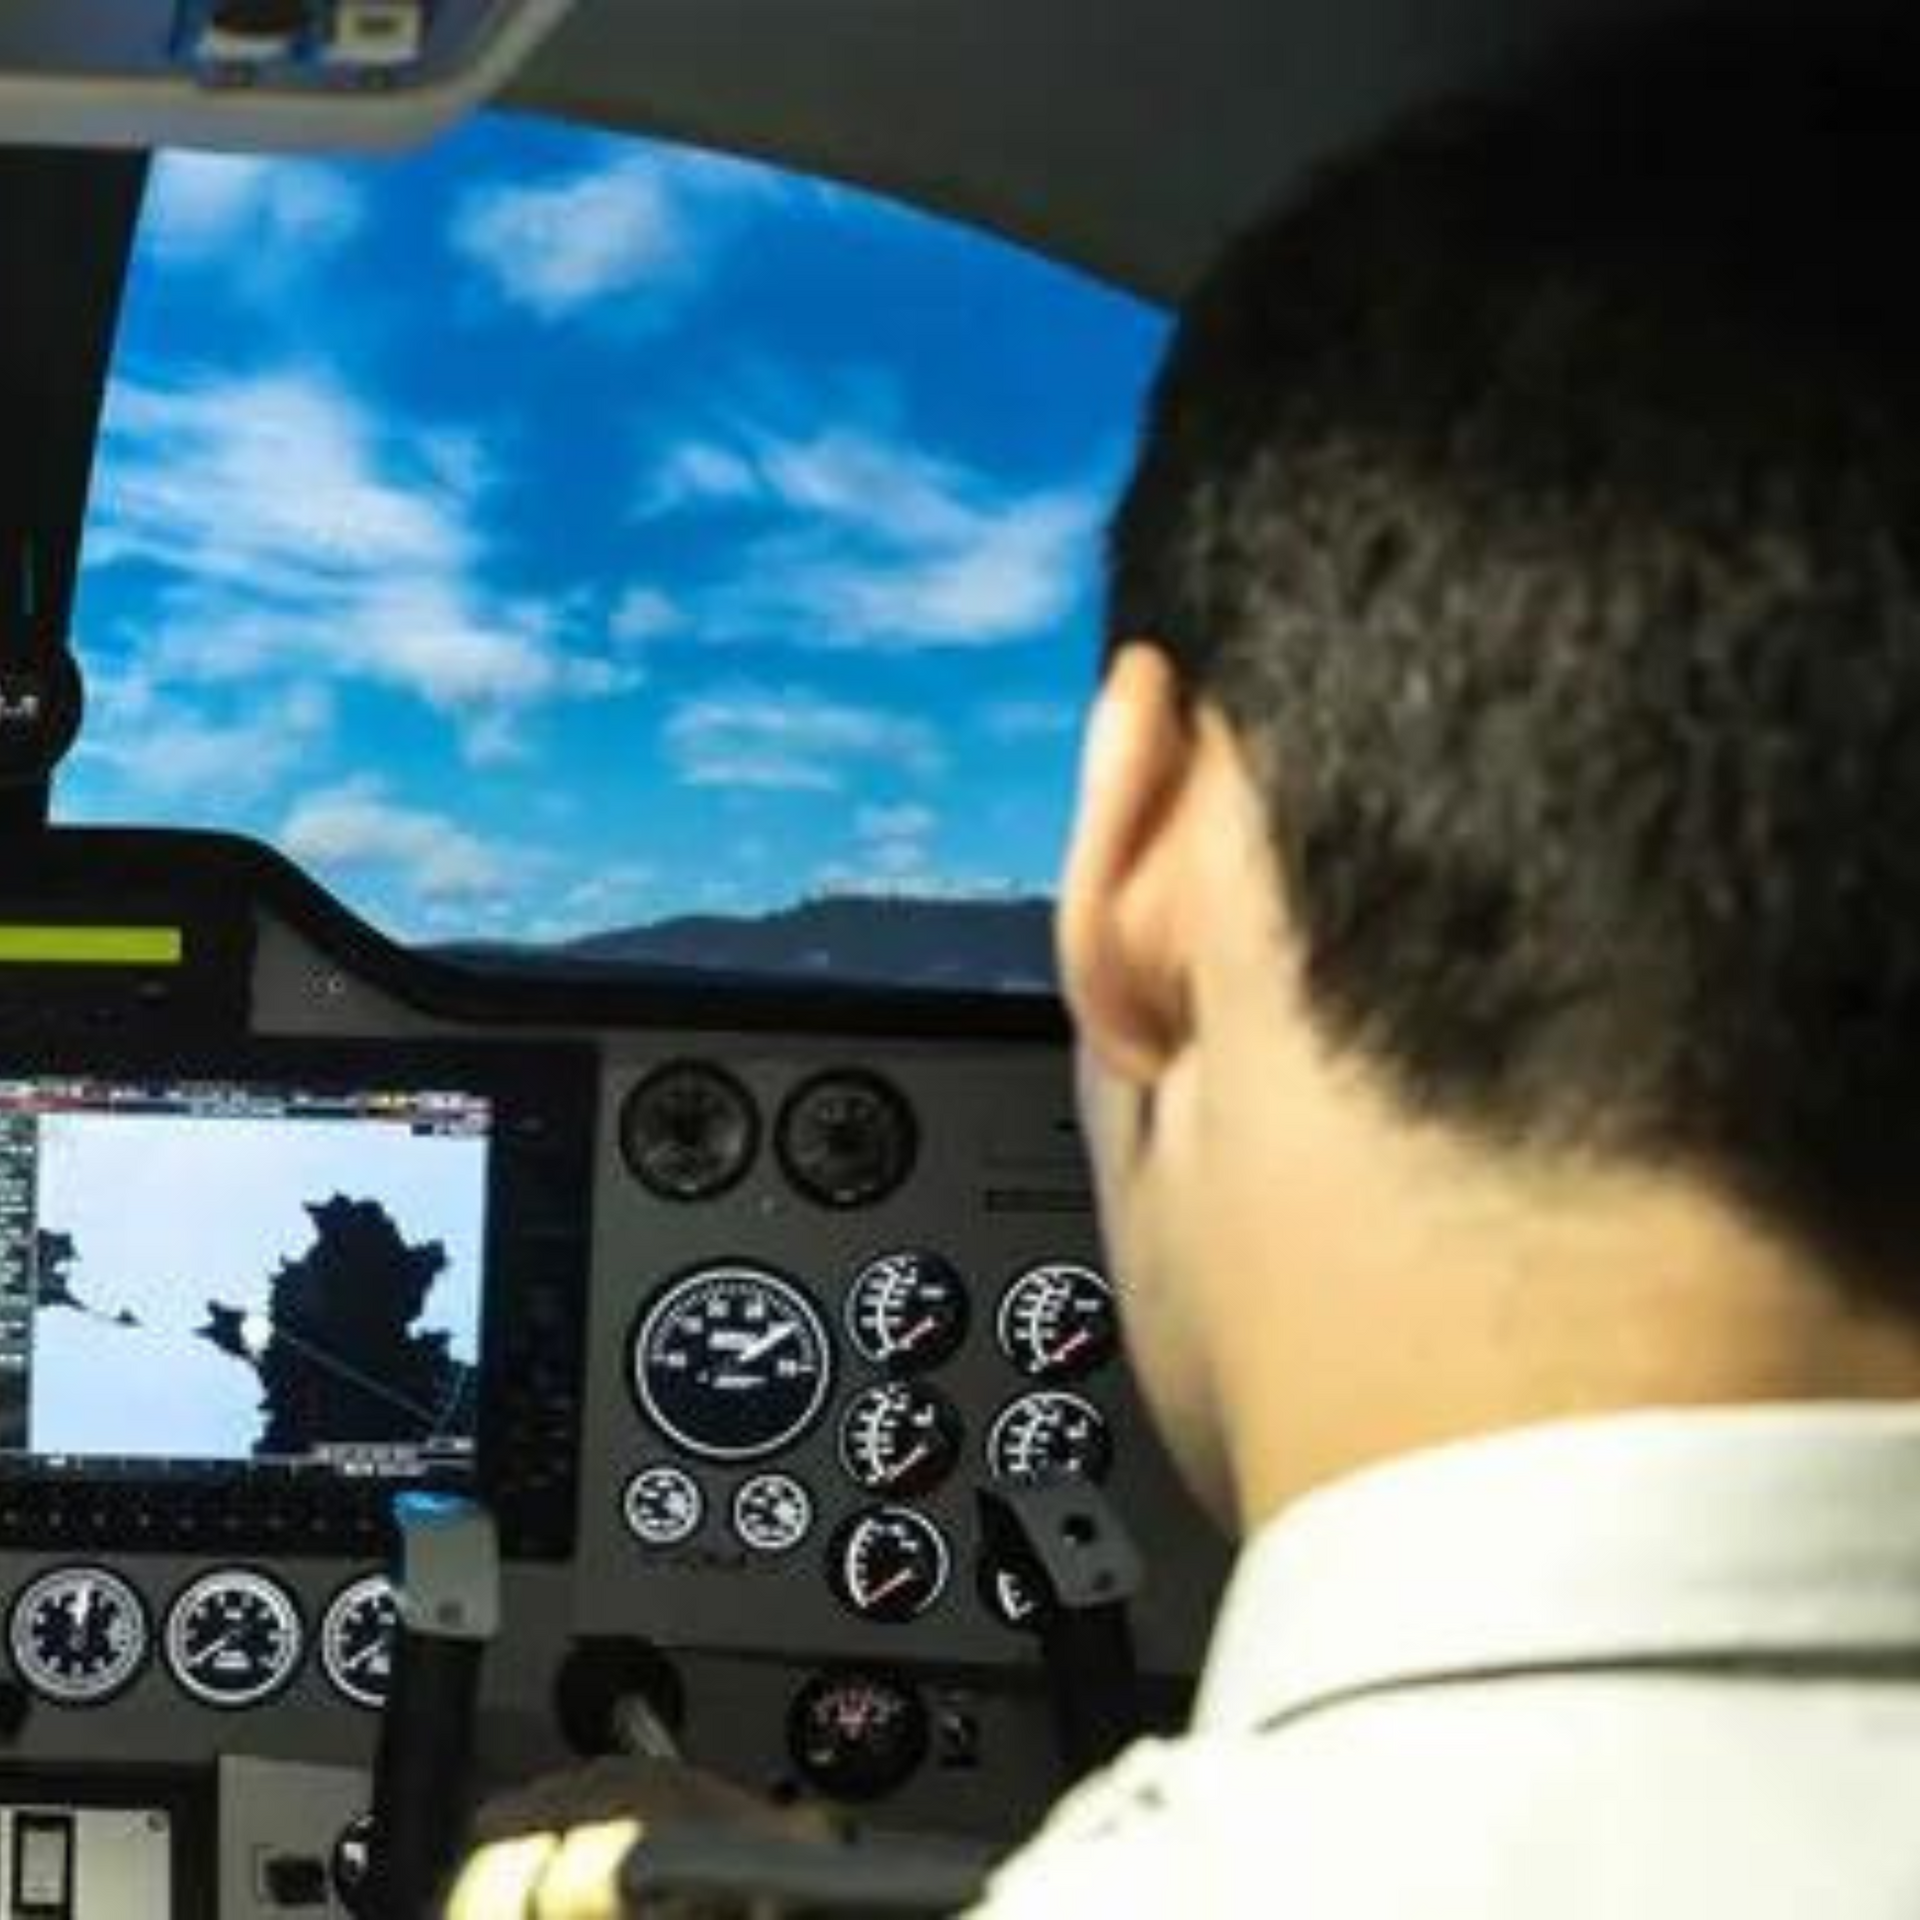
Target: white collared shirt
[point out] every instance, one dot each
(1655, 1665)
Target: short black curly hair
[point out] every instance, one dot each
(1540, 501)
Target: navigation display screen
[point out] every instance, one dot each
(197, 1273)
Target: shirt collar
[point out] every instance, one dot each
(1740, 1534)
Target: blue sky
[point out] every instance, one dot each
(544, 532)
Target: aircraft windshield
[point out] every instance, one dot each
(570, 545)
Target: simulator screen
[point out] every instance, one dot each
(212, 1275)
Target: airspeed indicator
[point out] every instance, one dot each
(732, 1363)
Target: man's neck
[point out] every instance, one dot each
(1466, 1318)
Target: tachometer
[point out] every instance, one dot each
(78, 1635)
(234, 1638)
(732, 1363)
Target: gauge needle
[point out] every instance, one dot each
(1072, 1344)
(84, 1611)
(889, 1587)
(901, 1468)
(917, 1332)
(759, 1349)
(355, 1661)
(212, 1648)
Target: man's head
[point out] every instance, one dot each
(1501, 825)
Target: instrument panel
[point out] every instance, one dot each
(832, 1266)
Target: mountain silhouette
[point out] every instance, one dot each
(996, 946)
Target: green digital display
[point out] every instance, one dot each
(91, 946)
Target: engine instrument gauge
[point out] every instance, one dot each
(78, 1635)
(901, 1438)
(689, 1131)
(234, 1638)
(907, 1312)
(890, 1564)
(356, 1641)
(663, 1506)
(1059, 1322)
(857, 1736)
(1050, 1436)
(772, 1513)
(847, 1139)
(732, 1363)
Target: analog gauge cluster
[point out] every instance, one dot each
(736, 1365)
(232, 1638)
(845, 1139)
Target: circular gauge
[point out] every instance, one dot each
(857, 1736)
(900, 1438)
(663, 1506)
(1058, 1322)
(890, 1564)
(78, 1635)
(907, 1312)
(1050, 1436)
(772, 1513)
(356, 1641)
(732, 1363)
(847, 1139)
(233, 1638)
(689, 1131)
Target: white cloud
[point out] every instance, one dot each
(297, 538)
(872, 543)
(642, 614)
(790, 739)
(638, 223)
(247, 212)
(357, 828)
(172, 748)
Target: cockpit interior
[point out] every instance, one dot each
(548, 574)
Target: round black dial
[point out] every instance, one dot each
(1050, 1436)
(732, 1363)
(900, 1438)
(1058, 1322)
(356, 1641)
(890, 1564)
(78, 1635)
(857, 1736)
(689, 1131)
(847, 1139)
(663, 1506)
(233, 1638)
(907, 1312)
(772, 1513)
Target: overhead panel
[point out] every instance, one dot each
(255, 74)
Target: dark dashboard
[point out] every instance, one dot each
(724, 1300)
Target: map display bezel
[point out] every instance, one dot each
(533, 1290)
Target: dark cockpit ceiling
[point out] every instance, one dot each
(1129, 137)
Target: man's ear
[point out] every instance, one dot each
(1122, 930)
